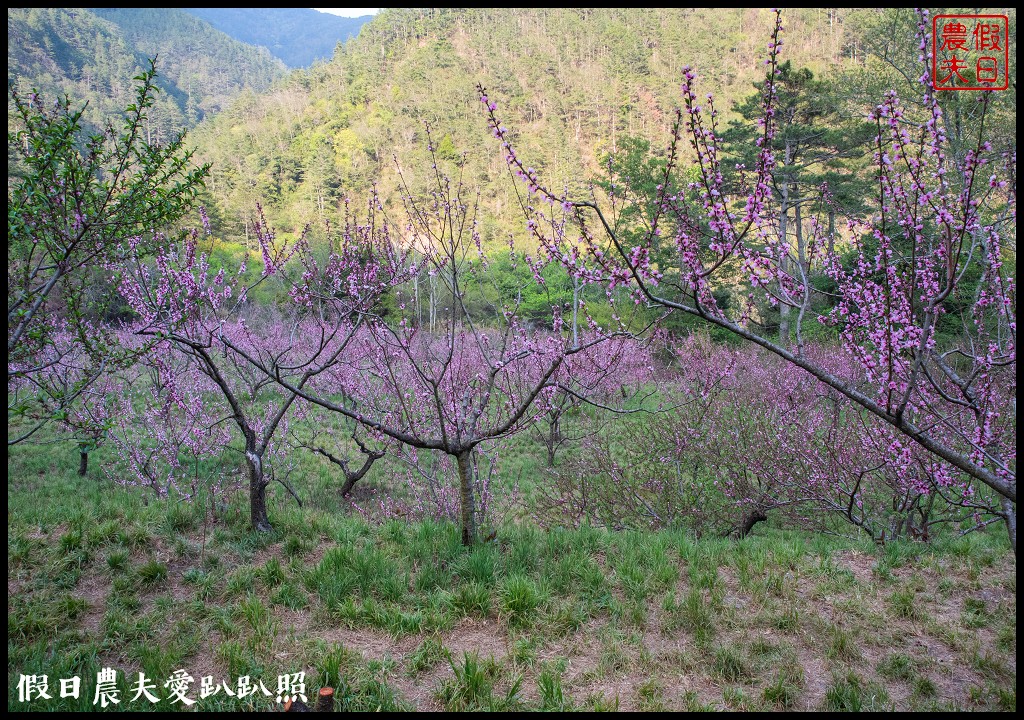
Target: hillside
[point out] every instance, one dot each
(93, 54)
(298, 36)
(571, 83)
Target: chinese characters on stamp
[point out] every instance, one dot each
(970, 52)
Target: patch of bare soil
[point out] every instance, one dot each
(94, 589)
(419, 690)
(371, 644)
(486, 638)
(581, 653)
(622, 687)
(14, 586)
(41, 533)
(995, 597)
(816, 680)
(205, 662)
(858, 563)
(580, 650)
(295, 622)
(952, 676)
(314, 556)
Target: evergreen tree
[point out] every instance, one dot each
(817, 146)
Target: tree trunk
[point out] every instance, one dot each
(469, 529)
(1010, 515)
(325, 700)
(575, 311)
(350, 483)
(432, 302)
(805, 270)
(784, 241)
(784, 323)
(351, 476)
(83, 462)
(554, 436)
(749, 521)
(257, 492)
(416, 299)
(831, 231)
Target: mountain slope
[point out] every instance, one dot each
(570, 83)
(92, 56)
(209, 67)
(298, 36)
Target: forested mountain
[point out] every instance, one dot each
(573, 84)
(298, 36)
(92, 55)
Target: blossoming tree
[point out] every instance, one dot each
(78, 208)
(204, 315)
(481, 376)
(929, 259)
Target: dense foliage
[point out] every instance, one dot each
(937, 223)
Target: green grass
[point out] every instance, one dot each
(427, 654)
(478, 686)
(730, 664)
(783, 690)
(519, 598)
(841, 644)
(126, 580)
(553, 697)
(904, 604)
(152, 573)
(897, 666)
(849, 693)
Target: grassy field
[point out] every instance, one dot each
(400, 616)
